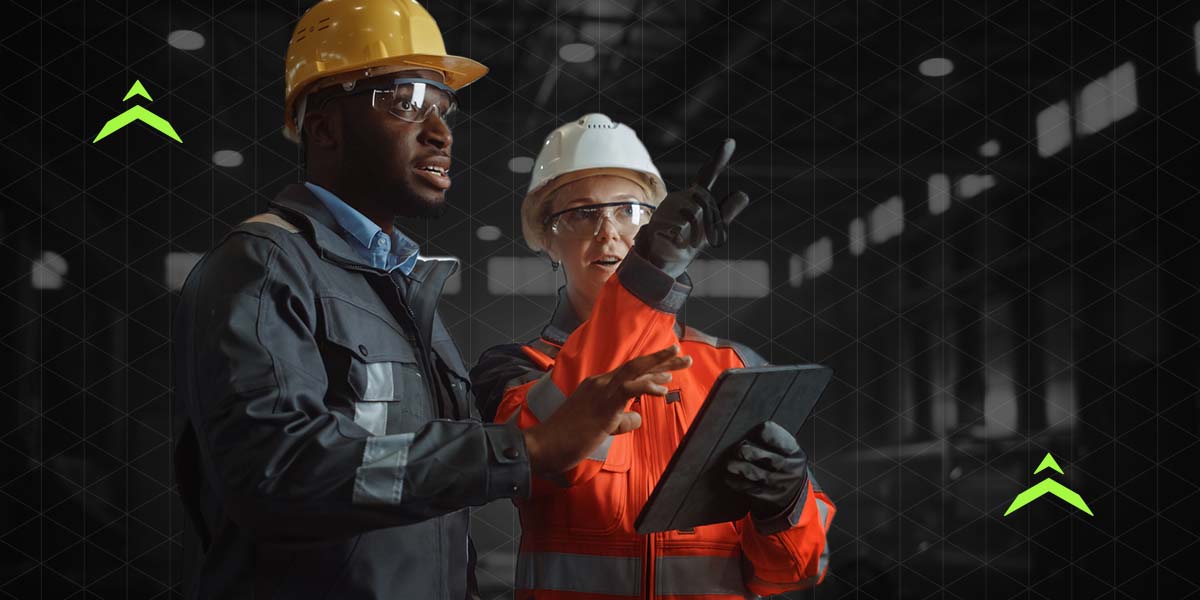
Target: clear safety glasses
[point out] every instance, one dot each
(585, 221)
(408, 99)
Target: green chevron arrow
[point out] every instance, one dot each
(137, 90)
(1048, 463)
(137, 113)
(1048, 486)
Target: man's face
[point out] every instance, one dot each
(396, 160)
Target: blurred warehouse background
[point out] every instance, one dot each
(980, 214)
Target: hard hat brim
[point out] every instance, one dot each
(460, 71)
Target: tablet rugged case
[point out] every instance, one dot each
(691, 491)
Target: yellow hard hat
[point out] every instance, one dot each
(338, 41)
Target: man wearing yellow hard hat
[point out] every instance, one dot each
(328, 446)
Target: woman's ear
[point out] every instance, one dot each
(550, 250)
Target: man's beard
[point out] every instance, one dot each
(396, 196)
(413, 206)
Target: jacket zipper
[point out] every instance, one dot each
(423, 356)
(422, 359)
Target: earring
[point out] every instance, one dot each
(554, 265)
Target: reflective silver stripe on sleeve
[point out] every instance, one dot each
(813, 480)
(544, 398)
(380, 479)
(823, 514)
(381, 383)
(683, 575)
(601, 451)
(823, 562)
(372, 416)
(582, 573)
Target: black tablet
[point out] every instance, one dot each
(691, 491)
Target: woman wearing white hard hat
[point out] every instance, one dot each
(595, 195)
(587, 170)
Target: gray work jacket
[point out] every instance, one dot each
(328, 442)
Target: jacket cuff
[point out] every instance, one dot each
(508, 462)
(652, 285)
(786, 518)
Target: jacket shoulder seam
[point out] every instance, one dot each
(283, 242)
(272, 219)
(749, 357)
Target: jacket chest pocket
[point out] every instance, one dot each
(373, 370)
(599, 507)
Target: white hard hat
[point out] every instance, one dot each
(593, 143)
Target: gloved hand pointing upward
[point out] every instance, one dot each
(689, 220)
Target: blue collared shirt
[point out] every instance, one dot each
(367, 238)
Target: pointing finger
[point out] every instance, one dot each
(712, 169)
(733, 205)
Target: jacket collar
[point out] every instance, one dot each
(298, 201)
(311, 215)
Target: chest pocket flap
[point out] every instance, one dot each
(382, 381)
(372, 336)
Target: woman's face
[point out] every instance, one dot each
(589, 260)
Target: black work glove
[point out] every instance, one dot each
(689, 220)
(769, 467)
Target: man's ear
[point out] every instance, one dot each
(323, 129)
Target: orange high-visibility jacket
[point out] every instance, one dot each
(578, 539)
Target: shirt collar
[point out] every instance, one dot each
(363, 230)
